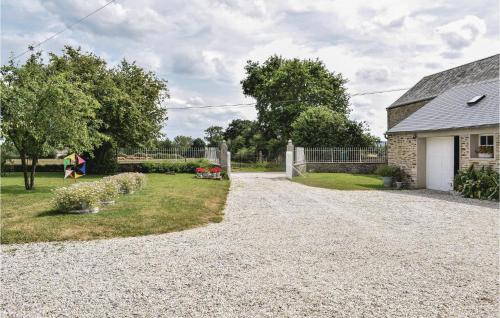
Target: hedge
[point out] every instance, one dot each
(145, 167)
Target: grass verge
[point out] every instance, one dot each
(341, 181)
(168, 203)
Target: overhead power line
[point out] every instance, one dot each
(63, 30)
(284, 101)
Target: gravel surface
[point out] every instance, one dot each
(283, 249)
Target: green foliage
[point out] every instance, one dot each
(92, 194)
(44, 108)
(319, 127)
(177, 167)
(284, 88)
(214, 135)
(390, 171)
(322, 127)
(183, 141)
(110, 190)
(6, 156)
(130, 97)
(102, 160)
(479, 184)
(127, 182)
(198, 143)
(77, 196)
(76, 102)
(242, 134)
(163, 143)
(485, 149)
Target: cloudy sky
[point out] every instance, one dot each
(201, 46)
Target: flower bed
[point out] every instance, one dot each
(209, 173)
(87, 197)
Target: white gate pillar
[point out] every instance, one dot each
(289, 165)
(229, 165)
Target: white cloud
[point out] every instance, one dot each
(461, 33)
(201, 46)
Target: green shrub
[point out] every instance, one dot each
(110, 190)
(390, 171)
(128, 182)
(78, 196)
(479, 184)
(90, 194)
(178, 167)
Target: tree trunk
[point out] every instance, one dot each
(25, 170)
(34, 162)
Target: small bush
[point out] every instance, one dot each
(90, 194)
(177, 167)
(478, 184)
(390, 171)
(128, 182)
(110, 190)
(77, 196)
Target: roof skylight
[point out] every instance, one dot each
(476, 99)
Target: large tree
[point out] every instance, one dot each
(130, 98)
(241, 133)
(284, 88)
(322, 127)
(45, 108)
(198, 143)
(319, 127)
(214, 135)
(183, 141)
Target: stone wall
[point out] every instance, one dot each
(343, 167)
(397, 114)
(407, 151)
(466, 161)
(402, 152)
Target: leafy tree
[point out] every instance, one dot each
(164, 143)
(322, 127)
(358, 135)
(44, 108)
(8, 152)
(214, 135)
(198, 143)
(284, 88)
(240, 133)
(183, 141)
(319, 127)
(130, 101)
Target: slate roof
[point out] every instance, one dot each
(450, 110)
(433, 85)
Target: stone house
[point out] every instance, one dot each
(445, 123)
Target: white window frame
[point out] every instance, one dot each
(487, 135)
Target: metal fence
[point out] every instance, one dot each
(174, 154)
(341, 155)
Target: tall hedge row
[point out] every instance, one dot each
(145, 167)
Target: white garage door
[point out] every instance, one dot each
(439, 163)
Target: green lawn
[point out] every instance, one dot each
(341, 181)
(167, 203)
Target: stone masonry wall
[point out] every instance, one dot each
(466, 161)
(402, 152)
(343, 167)
(397, 114)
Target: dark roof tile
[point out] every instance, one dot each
(435, 84)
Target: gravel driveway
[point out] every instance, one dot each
(283, 249)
